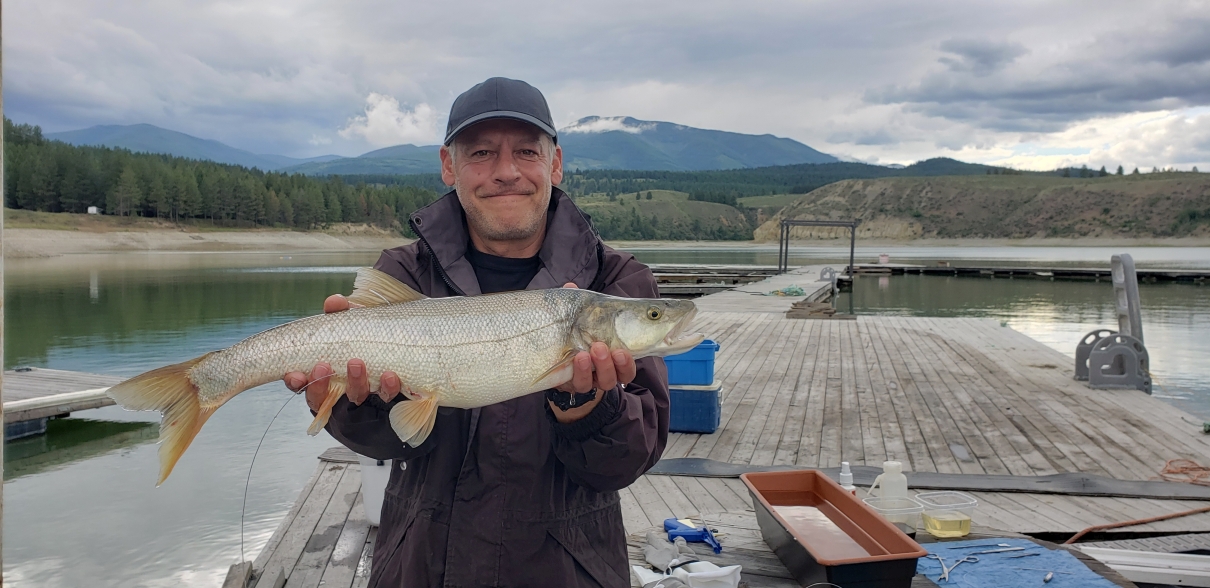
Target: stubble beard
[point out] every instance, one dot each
(492, 229)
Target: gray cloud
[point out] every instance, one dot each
(881, 80)
(979, 56)
(1120, 71)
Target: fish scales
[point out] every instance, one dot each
(467, 349)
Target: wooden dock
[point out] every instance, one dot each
(1101, 274)
(32, 395)
(949, 396)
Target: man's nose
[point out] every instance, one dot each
(506, 171)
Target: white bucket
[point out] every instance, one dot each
(373, 486)
(884, 259)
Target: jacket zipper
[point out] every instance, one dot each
(433, 259)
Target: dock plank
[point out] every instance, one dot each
(300, 529)
(346, 555)
(316, 556)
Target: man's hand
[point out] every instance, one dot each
(359, 384)
(595, 368)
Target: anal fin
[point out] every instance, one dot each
(413, 420)
(336, 389)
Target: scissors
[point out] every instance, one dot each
(945, 571)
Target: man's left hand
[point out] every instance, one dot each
(595, 368)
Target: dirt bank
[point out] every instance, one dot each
(24, 243)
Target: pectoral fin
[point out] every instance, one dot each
(413, 420)
(376, 288)
(336, 389)
(557, 374)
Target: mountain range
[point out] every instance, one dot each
(621, 143)
(152, 139)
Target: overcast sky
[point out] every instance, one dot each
(1022, 83)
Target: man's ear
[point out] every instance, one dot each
(556, 167)
(447, 166)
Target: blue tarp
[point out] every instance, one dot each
(1002, 570)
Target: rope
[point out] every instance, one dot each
(1185, 470)
(1174, 515)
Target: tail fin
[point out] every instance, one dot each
(170, 391)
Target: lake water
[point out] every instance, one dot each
(81, 504)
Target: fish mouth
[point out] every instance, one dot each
(676, 342)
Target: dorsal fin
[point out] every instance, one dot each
(375, 288)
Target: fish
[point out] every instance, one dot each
(460, 352)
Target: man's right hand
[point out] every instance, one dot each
(359, 385)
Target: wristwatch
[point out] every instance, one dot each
(566, 400)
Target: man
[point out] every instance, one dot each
(519, 493)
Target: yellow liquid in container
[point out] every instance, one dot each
(946, 523)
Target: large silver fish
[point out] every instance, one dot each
(463, 352)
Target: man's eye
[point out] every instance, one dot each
(480, 153)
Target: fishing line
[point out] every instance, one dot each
(248, 480)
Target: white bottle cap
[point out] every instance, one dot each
(846, 476)
(892, 467)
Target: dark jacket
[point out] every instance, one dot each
(504, 495)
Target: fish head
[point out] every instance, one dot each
(647, 327)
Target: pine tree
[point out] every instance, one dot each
(1120, 171)
(649, 195)
(1067, 172)
(157, 197)
(1102, 173)
(1135, 172)
(125, 197)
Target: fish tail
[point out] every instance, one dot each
(336, 389)
(170, 391)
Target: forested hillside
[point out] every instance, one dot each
(725, 186)
(53, 176)
(1170, 204)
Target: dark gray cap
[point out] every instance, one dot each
(500, 98)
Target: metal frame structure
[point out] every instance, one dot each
(783, 242)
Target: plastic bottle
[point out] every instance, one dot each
(892, 480)
(846, 478)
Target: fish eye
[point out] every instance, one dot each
(654, 313)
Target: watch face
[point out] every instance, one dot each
(566, 400)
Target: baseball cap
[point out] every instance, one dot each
(500, 98)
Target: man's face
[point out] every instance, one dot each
(503, 171)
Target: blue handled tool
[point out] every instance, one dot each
(676, 529)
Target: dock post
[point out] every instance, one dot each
(1126, 296)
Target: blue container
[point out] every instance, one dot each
(694, 367)
(695, 409)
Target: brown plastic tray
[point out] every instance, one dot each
(855, 547)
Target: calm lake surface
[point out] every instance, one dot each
(81, 504)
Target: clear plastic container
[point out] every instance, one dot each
(898, 509)
(947, 514)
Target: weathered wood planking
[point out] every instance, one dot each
(325, 539)
(942, 395)
(38, 393)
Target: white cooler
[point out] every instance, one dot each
(373, 486)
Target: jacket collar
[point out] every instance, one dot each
(569, 253)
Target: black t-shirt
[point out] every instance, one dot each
(501, 274)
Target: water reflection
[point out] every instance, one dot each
(70, 440)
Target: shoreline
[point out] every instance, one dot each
(24, 243)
